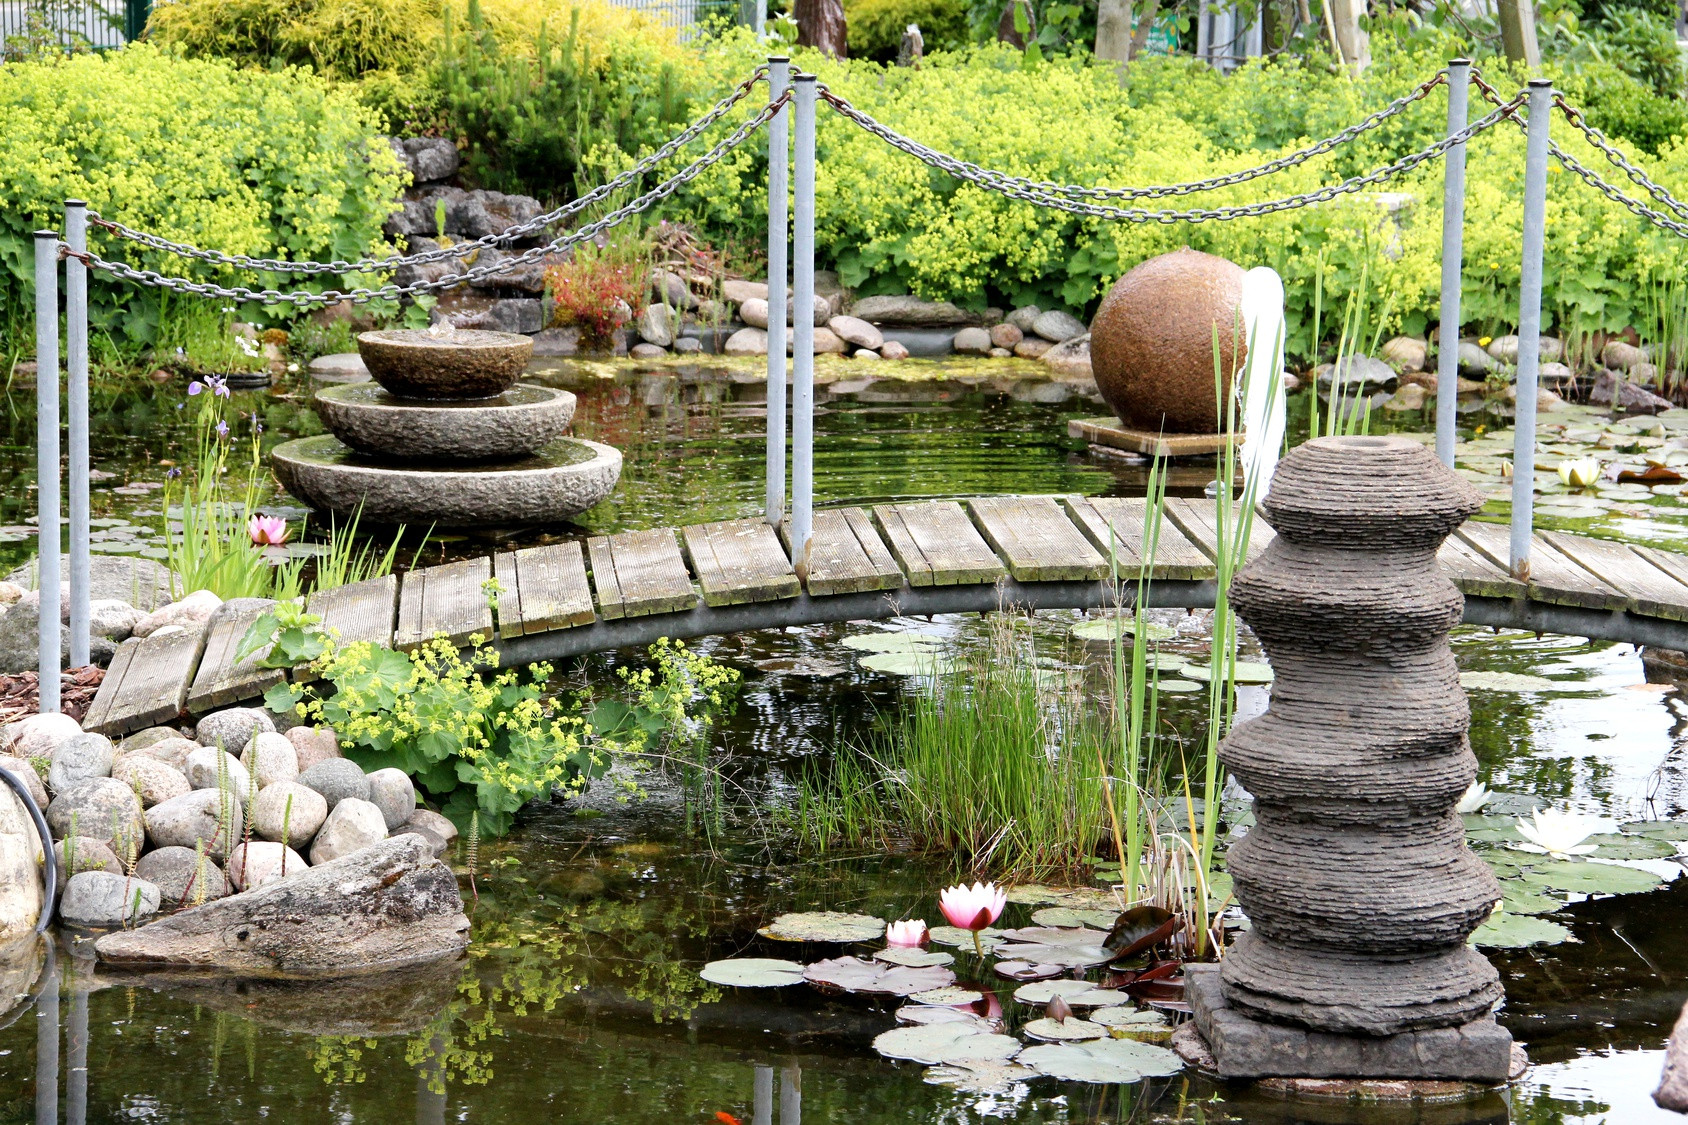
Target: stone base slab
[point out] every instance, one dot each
(1480, 1051)
(1112, 434)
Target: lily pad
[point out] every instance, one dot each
(1506, 863)
(854, 975)
(1178, 686)
(1613, 845)
(1108, 628)
(1027, 970)
(753, 972)
(914, 663)
(1125, 1016)
(1510, 681)
(1070, 1030)
(912, 957)
(1675, 831)
(1079, 898)
(1068, 916)
(938, 1043)
(1522, 898)
(1104, 1060)
(1077, 994)
(1077, 948)
(812, 666)
(1247, 672)
(1587, 878)
(893, 642)
(980, 1077)
(1140, 928)
(1515, 931)
(989, 938)
(824, 925)
(934, 1013)
(950, 995)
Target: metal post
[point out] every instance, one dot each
(1529, 326)
(779, 77)
(47, 1047)
(76, 405)
(762, 1098)
(803, 322)
(76, 1064)
(761, 17)
(47, 462)
(1453, 264)
(791, 1078)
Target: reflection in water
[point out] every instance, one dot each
(47, 1049)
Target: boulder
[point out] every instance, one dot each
(256, 862)
(646, 351)
(688, 345)
(1032, 347)
(1621, 356)
(854, 330)
(143, 583)
(312, 745)
(191, 613)
(658, 325)
(10, 592)
(101, 807)
(20, 878)
(476, 214)
(1672, 1093)
(521, 315)
(972, 341)
(1356, 373)
(1556, 373)
(337, 779)
(1071, 359)
(671, 288)
(287, 803)
(20, 637)
(738, 291)
(429, 159)
(1546, 401)
(111, 619)
(209, 767)
(37, 736)
(99, 899)
(1023, 318)
(140, 740)
(186, 822)
(83, 853)
(233, 729)
(182, 877)
(431, 821)
(1405, 353)
(893, 350)
(1643, 374)
(344, 367)
(437, 844)
(24, 772)
(78, 759)
(904, 311)
(1505, 349)
(391, 791)
(1006, 336)
(154, 781)
(754, 312)
(507, 272)
(271, 758)
(389, 905)
(747, 341)
(1058, 327)
(352, 825)
(1625, 397)
(1411, 396)
(828, 343)
(173, 752)
(1473, 360)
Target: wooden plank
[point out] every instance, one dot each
(407, 634)
(456, 602)
(1646, 588)
(1672, 563)
(361, 611)
(1114, 434)
(1037, 539)
(1198, 519)
(936, 544)
(220, 681)
(846, 554)
(1475, 575)
(543, 588)
(635, 573)
(99, 711)
(739, 561)
(1554, 578)
(155, 686)
(1117, 526)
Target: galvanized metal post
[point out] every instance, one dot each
(76, 405)
(47, 462)
(761, 16)
(803, 323)
(47, 1044)
(1529, 326)
(1453, 264)
(779, 77)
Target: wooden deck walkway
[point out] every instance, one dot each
(939, 556)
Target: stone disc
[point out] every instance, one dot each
(466, 364)
(373, 420)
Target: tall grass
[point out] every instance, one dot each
(1349, 412)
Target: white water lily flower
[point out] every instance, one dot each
(1558, 834)
(1475, 798)
(1579, 473)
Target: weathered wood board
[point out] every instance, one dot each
(543, 588)
(451, 599)
(739, 561)
(1037, 539)
(153, 685)
(1118, 527)
(1199, 521)
(635, 573)
(1553, 578)
(220, 681)
(1474, 574)
(361, 611)
(936, 544)
(1646, 588)
(846, 554)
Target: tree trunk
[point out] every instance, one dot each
(820, 23)
(1352, 43)
(1113, 31)
(1145, 24)
(1007, 32)
(1518, 31)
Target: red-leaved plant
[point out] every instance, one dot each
(596, 295)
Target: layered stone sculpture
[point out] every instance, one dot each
(1356, 878)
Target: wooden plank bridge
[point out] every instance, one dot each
(926, 557)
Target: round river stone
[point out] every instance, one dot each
(467, 364)
(372, 420)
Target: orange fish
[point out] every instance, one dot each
(726, 1118)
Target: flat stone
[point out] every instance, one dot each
(191, 613)
(647, 351)
(893, 350)
(80, 758)
(37, 736)
(173, 752)
(854, 330)
(912, 312)
(747, 341)
(155, 781)
(1057, 326)
(352, 825)
(209, 767)
(433, 822)
(270, 758)
(1358, 372)
(101, 807)
(254, 863)
(100, 899)
(298, 808)
(24, 772)
(391, 791)
(372, 420)
(337, 779)
(141, 739)
(1625, 397)
(738, 290)
(144, 583)
(182, 877)
(344, 367)
(1032, 347)
(313, 744)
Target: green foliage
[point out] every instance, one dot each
(875, 27)
(339, 38)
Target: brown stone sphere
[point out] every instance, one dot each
(1151, 343)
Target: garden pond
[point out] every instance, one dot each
(581, 1001)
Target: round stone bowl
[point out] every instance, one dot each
(371, 419)
(547, 487)
(467, 364)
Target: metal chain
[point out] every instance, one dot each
(1617, 158)
(304, 299)
(1004, 181)
(1009, 186)
(457, 250)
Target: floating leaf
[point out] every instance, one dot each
(1104, 1060)
(1522, 898)
(1080, 898)
(1109, 628)
(852, 974)
(1125, 1016)
(1510, 681)
(919, 663)
(1178, 687)
(1077, 993)
(1675, 831)
(1613, 845)
(893, 642)
(1246, 672)
(1507, 862)
(1583, 877)
(1077, 948)
(980, 1077)
(1515, 931)
(1140, 928)
(753, 972)
(1067, 916)
(1071, 1030)
(989, 938)
(824, 925)
(912, 957)
(1026, 970)
(812, 666)
(948, 996)
(939, 1043)
(934, 1013)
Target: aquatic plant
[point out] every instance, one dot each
(1475, 797)
(1558, 834)
(267, 531)
(973, 908)
(906, 933)
(1579, 472)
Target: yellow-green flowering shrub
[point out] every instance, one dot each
(244, 161)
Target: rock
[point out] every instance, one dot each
(1032, 347)
(854, 330)
(111, 619)
(141, 582)
(233, 729)
(434, 822)
(972, 341)
(508, 273)
(657, 325)
(300, 808)
(1642, 374)
(1058, 327)
(1473, 360)
(738, 291)
(10, 592)
(1621, 356)
(521, 315)
(20, 636)
(1006, 336)
(389, 905)
(352, 825)
(101, 807)
(37, 736)
(905, 311)
(181, 877)
(437, 846)
(80, 758)
(312, 745)
(24, 772)
(173, 752)
(343, 367)
(1673, 1083)
(209, 767)
(828, 343)
(82, 853)
(1024, 317)
(1625, 397)
(191, 613)
(429, 159)
(140, 740)
(257, 862)
(891, 349)
(337, 779)
(152, 780)
(186, 822)
(688, 345)
(556, 341)
(1411, 396)
(864, 353)
(747, 341)
(822, 311)
(21, 897)
(1546, 401)
(1556, 373)
(671, 288)
(476, 214)
(1359, 373)
(1505, 349)
(270, 758)
(1405, 353)
(754, 312)
(1070, 359)
(391, 791)
(99, 899)
(1000, 353)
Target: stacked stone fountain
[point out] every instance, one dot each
(1356, 877)
(445, 435)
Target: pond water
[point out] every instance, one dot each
(580, 1000)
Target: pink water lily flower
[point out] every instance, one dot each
(267, 531)
(906, 933)
(973, 908)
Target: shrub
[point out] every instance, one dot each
(876, 26)
(340, 38)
